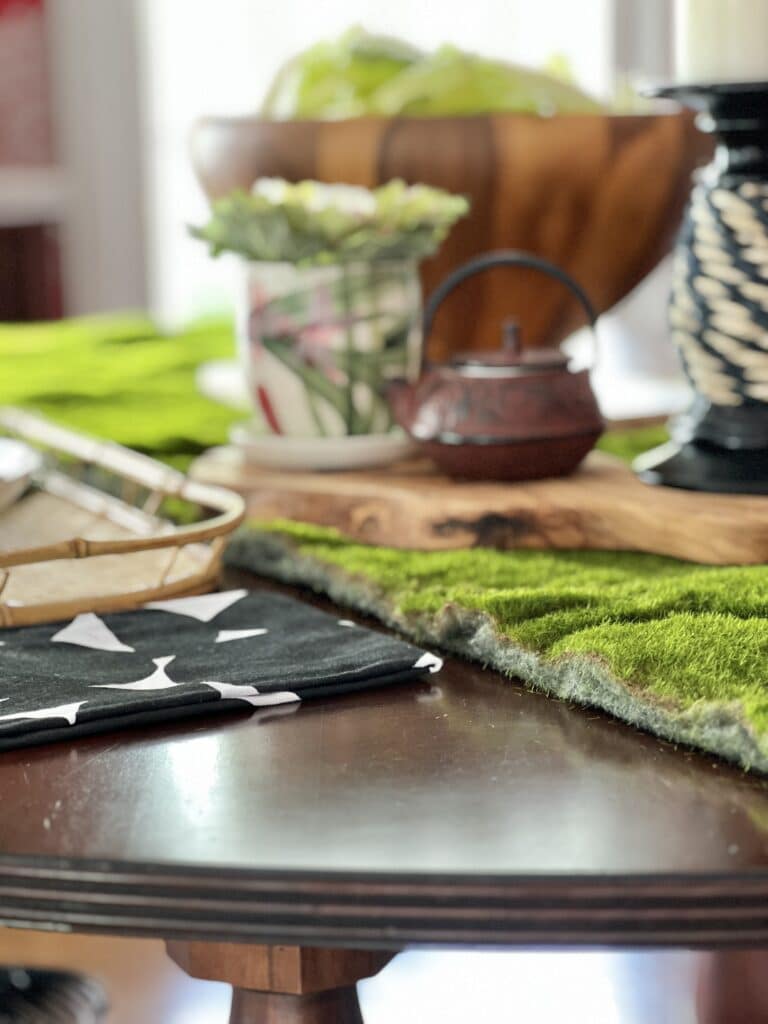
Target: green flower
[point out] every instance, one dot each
(310, 223)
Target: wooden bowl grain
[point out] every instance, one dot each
(600, 195)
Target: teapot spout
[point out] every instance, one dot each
(399, 394)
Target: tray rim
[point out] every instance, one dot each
(134, 470)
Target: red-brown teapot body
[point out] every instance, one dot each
(506, 415)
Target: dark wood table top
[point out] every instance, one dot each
(460, 810)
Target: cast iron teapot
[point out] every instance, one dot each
(513, 414)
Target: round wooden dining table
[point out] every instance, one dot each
(293, 851)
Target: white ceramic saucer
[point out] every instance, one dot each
(359, 451)
(17, 464)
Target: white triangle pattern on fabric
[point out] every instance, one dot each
(203, 607)
(232, 691)
(88, 630)
(225, 635)
(157, 681)
(430, 661)
(66, 711)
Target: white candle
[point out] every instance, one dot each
(721, 40)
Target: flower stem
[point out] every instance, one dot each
(349, 336)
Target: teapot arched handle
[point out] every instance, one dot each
(502, 258)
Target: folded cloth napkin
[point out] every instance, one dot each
(187, 656)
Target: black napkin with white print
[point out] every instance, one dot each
(187, 656)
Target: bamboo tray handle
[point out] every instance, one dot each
(161, 481)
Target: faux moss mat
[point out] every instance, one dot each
(678, 649)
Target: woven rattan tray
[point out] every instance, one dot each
(91, 533)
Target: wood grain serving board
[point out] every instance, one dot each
(411, 505)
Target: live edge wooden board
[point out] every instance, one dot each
(410, 505)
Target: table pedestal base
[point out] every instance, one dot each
(283, 984)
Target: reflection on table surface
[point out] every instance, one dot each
(467, 772)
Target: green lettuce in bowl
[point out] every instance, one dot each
(361, 74)
(451, 82)
(337, 78)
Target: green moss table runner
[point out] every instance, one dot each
(675, 648)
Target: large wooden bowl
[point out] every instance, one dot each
(600, 195)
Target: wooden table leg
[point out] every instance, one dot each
(283, 984)
(337, 1006)
(733, 988)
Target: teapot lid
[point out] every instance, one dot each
(512, 355)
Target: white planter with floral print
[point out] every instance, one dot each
(319, 344)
